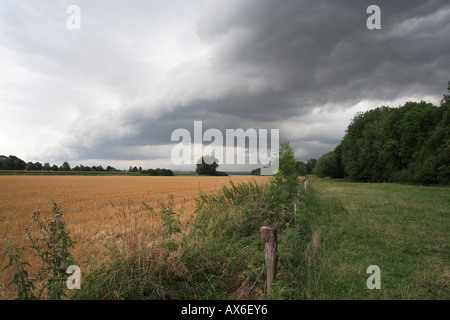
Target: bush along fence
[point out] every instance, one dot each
(269, 236)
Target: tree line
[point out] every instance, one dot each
(14, 163)
(406, 144)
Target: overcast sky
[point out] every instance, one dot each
(113, 91)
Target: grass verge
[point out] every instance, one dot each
(346, 227)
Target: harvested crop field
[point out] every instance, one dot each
(101, 211)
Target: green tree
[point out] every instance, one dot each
(207, 165)
(310, 164)
(328, 166)
(2, 162)
(301, 168)
(30, 166)
(285, 182)
(38, 166)
(65, 166)
(13, 163)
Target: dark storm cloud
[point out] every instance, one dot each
(304, 67)
(321, 51)
(306, 54)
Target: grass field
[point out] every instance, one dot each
(100, 211)
(341, 229)
(347, 227)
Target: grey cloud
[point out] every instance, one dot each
(269, 61)
(321, 51)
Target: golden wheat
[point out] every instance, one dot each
(100, 211)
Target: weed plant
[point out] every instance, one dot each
(52, 245)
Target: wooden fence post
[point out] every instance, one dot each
(269, 236)
(295, 213)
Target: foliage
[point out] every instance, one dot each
(328, 166)
(53, 248)
(207, 166)
(25, 287)
(285, 182)
(158, 172)
(170, 221)
(310, 164)
(12, 163)
(256, 172)
(406, 144)
(301, 168)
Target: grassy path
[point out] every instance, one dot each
(402, 229)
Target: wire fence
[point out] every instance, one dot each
(303, 186)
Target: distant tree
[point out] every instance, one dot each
(157, 172)
(38, 166)
(207, 165)
(30, 166)
(2, 161)
(65, 166)
(328, 166)
(301, 168)
(150, 172)
(55, 167)
(310, 164)
(46, 167)
(13, 163)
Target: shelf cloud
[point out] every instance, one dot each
(113, 91)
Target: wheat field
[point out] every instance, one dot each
(101, 212)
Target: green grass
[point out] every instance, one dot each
(341, 229)
(346, 227)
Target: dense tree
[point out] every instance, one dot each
(30, 166)
(46, 167)
(301, 168)
(157, 172)
(12, 163)
(2, 162)
(410, 143)
(38, 166)
(65, 166)
(207, 165)
(286, 182)
(328, 166)
(310, 164)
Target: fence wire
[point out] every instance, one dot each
(303, 186)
